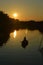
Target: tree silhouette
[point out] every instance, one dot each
(5, 27)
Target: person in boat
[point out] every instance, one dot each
(24, 42)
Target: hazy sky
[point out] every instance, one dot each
(26, 9)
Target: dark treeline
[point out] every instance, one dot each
(8, 25)
(30, 25)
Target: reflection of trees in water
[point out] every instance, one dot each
(41, 48)
(7, 25)
(4, 39)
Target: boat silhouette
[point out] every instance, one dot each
(24, 42)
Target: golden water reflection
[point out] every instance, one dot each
(17, 36)
(13, 34)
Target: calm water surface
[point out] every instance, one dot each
(13, 54)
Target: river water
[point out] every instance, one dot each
(14, 54)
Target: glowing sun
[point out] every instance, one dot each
(15, 15)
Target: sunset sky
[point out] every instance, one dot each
(26, 9)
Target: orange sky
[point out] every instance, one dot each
(26, 9)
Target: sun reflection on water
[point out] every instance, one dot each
(14, 33)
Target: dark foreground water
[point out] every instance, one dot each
(13, 54)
